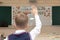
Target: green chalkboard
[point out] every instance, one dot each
(5, 16)
(56, 15)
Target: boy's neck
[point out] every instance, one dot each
(18, 28)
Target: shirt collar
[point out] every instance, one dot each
(19, 31)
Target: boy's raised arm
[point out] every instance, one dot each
(35, 31)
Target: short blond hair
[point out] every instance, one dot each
(21, 20)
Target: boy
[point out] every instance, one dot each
(21, 23)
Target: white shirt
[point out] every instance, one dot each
(35, 31)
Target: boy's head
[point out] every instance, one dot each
(21, 20)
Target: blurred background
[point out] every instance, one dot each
(49, 12)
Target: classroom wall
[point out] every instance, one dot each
(39, 3)
(25, 2)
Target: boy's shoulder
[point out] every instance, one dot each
(21, 36)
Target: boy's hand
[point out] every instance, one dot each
(34, 10)
(27, 12)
